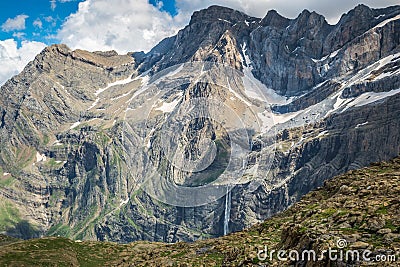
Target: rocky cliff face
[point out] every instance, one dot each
(88, 139)
(357, 212)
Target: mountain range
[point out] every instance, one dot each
(89, 140)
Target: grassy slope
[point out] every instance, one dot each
(361, 206)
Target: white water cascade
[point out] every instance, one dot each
(227, 210)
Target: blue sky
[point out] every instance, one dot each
(169, 6)
(45, 17)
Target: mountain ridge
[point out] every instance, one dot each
(64, 131)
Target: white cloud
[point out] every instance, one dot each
(124, 25)
(12, 24)
(14, 59)
(38, 23)
(19, 35)
(49, 19)
(53, 4)
(160, 4)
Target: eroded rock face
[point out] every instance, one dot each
(358, 210)
(288, 58)
(53, 170)
(64, 138)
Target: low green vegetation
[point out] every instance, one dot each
(60, 230)
(52, 163)
(9, 215)
(6, 181)
(361, 207)
(46, 139)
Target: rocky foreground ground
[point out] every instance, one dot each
(361, 207)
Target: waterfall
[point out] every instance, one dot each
(227, 210)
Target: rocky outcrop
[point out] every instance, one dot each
(205, 29)
(355, 23)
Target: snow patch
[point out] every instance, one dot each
(361, 124)
(148, 145)
(236, 94)
(145, 81)
(383, 23)
(387, 74)
(94, 103)
(57, 143)
(120, 82)
(256, 89)
(224, 20)
(297, 48)
(282, 118)
(266, 120)
(370, 97)
(124, 202)
(40, 157)
(340, 102)
(334, 54)
(168, 107)
(382, 62)
(326, 68)
(76, 124)
(322, 134)
(331, 55)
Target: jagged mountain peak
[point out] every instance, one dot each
(58, 48)
(274, 19)
(304, 13)
(218, 13)
(197, 39)
(362, 8)
(361, 13)
(307, 18)
(355, 23)
(307, 37)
